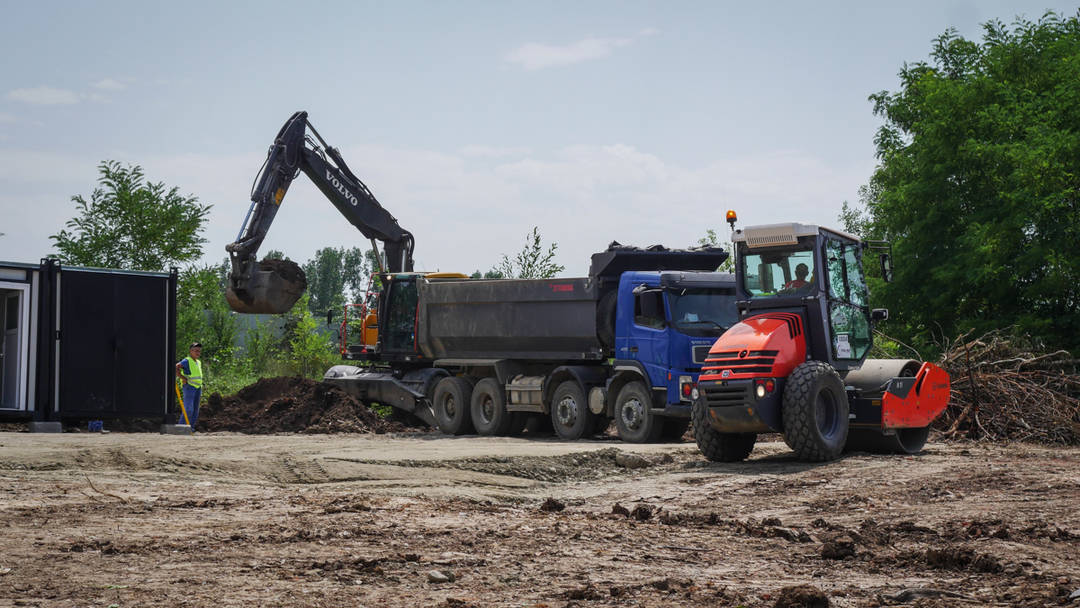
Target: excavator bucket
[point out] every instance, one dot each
(273, 287)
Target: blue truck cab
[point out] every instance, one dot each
(665, 323)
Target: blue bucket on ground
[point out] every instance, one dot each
(96, 426)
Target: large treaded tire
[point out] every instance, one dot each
(488, 409)
(451, 403)
(570, 415)
(634, 421)
(717, 446)
(815, 412)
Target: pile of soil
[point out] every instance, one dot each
(292, 405)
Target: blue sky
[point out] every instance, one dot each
(472, 122)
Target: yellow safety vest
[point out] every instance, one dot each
(195, 366)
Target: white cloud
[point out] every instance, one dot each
(535, 56)
(44, 96)
(108, 84)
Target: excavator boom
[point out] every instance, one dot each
(274, 286)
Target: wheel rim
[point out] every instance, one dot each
(567, 411)
(487, 409)
(633, 414)
(825, 413)
(449, 406)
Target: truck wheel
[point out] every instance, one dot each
(451, 405)
(815, 412)
(635, 422)
(488, 406)
(570, 413)
(717, 446)
(674, 428)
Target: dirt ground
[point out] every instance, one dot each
(422, 519)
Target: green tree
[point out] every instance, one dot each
(532, 262)
(977, 185)
(132, 224)
(711, 239)
(333, 275)
(310, 351)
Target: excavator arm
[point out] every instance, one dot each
(267, 287)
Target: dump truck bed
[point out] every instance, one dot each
(530, 319)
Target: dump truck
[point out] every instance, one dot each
(796, 362)
(626, 342)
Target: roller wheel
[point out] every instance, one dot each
(815, 412)
(488, 407)
(674, 428)
(717, 446)
(570, 413)
(904, 441)
(451, 404)
(635, 422)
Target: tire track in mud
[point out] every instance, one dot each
(292, 471)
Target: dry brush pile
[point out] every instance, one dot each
(1005, 389)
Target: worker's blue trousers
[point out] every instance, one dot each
(191, 403)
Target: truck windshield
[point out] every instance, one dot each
(778, 273)
(703, 311)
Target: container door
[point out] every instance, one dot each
(87, 362)
(113, 355)
(142, 361)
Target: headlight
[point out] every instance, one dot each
(695, 393)
(760, 391)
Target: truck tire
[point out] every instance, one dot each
(488, 408)
(674, 428)
(635, 422)
(570, 415)
(605, 319)
(451, 405)
(815, 412)
(717, 446)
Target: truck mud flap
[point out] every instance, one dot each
(910, 403)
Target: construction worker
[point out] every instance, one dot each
(190, 372)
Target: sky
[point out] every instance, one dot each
(471, 122)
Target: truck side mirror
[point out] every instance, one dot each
(879, 314)
(886, 267)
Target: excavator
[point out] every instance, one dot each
(273, 286)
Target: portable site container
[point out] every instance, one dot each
(85, 342)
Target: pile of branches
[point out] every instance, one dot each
(1005, 389)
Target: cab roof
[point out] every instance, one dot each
(768, 235)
